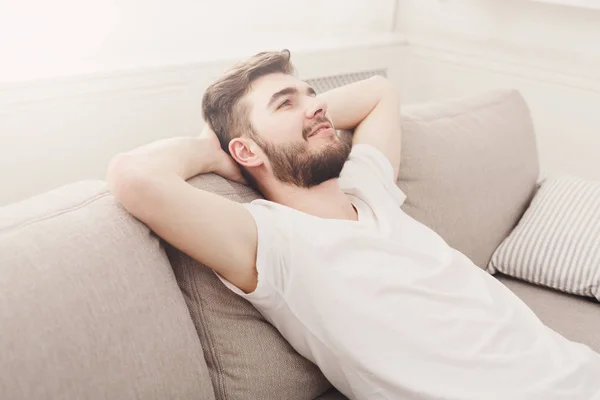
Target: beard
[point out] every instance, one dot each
(295, 163)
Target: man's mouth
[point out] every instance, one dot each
(320, 128)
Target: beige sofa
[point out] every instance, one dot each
(94, 306)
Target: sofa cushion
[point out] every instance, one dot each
(557, 241)
(575, 317)
(247, 357)
(469, 168)
(89, 305)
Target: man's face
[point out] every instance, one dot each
(292, 127)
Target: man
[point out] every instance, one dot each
(378, 301)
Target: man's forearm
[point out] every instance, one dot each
(348, 105)
(184, 156)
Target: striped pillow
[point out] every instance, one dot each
(557, 241)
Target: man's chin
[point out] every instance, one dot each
(320, 161)
(323, 141)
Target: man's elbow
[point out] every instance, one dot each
(383, 84)
(128, 182)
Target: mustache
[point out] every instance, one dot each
(307, 130)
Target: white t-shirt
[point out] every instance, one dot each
(387, 310)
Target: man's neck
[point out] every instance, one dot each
(326, 200)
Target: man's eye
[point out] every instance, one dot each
(285, 103)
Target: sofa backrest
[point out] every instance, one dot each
(469, 168)
(89, 305)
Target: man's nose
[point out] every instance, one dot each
(316, 107)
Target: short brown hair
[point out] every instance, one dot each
(221, 107)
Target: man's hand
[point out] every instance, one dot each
(224, 165)
(228, 168)
(371, 108)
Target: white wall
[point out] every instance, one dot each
(522, 23)
(83, 80)
(551, 53)
(46, 39)
(81, 83)
(61, 131)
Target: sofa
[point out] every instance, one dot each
(93, 305)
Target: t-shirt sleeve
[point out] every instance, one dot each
(272, 256)
(369, 170)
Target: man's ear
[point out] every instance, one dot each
(245, 151)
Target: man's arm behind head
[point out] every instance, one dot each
(213, 230)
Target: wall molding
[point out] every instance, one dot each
(591, 4)
(549, 66)
(541, 65)
(22, 95)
